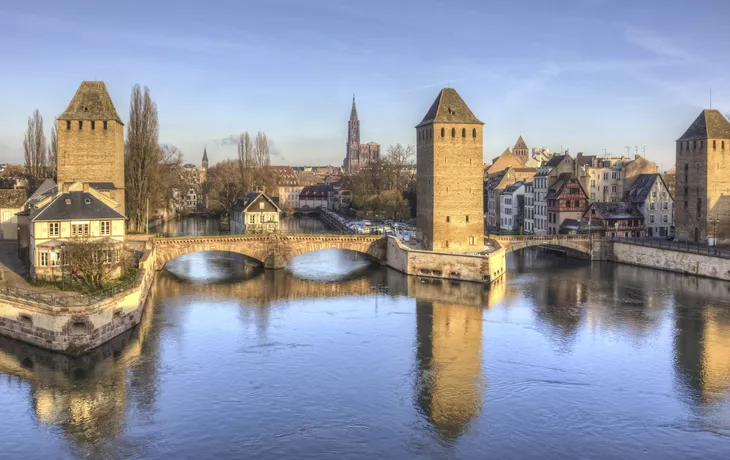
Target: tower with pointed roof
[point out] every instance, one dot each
(450, 176)
(91, 142)
(357, 154)
(521, 151)
(204, 163)
(702, 190)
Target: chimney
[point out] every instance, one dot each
(86, 187)
(65, 187)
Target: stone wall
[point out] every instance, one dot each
(477, 268)
(671, 260)
(74, 330)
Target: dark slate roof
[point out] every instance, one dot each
(449, 107)
(103, 185)
(250, 197)
(353, 111)
(710, 124)
(585, 160)
(570, 224)
(13, 198)
(46, 186)
(556, 160)
(91, 102)
(521, 144)
(513, 187)
(315, 191)
(619, 210)
(642, 187)
(76, 208)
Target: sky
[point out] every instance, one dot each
(584, 75)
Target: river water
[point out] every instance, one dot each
(335, 358)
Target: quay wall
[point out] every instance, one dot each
(466, 267)
(671, 260)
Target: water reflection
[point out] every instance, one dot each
(339, 358)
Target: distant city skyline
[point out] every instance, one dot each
(585, 74)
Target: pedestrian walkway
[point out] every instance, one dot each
(14, 273)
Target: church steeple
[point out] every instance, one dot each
(205, 158)
(353, 112)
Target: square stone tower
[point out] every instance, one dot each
(91, 142)
(450, 176)
(703, 180)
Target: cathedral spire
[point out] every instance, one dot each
(353, 112)
(205, 157)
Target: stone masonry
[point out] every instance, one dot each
(450, 176)
(91, 140)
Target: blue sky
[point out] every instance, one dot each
(585, 74)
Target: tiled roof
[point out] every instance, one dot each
(615, 211)
(710, 124)
(315, 191)
(642, 187)
(284, 175)
(564, 179)
(74, 206)
(449, 107)
(521, 144)
(91, 102)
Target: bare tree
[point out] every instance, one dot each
(53, 150)
(167, 177)
(223, 187)
(261, 153)
(142, 156)
(399, 160)
(245, 161)
(91, 262)
(34, 148)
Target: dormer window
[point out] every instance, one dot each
(68, 201)
(87, 200)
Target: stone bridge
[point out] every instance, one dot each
(578, 243)
(271, 250)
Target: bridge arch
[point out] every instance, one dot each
(577, 243)
(271, 250)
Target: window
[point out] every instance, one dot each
(714, 145)
(467, 218)
(104, 124)
(448, 218)
(665, 218)
(653, 194)
(252, 218)
(442, 132)
(261, 218)
(722, 145)
(93, 124)
(613, 175)
(463, 132)
(106, 227)
(453, 132)
(605, 176)
(446, 243)
(651, 218)
(54, 259)
(53, 228)
(613, 189)
(261, 205)
(474, 133)
(68, 124)
(80, 229)
(593, 183)
(665, 206)
(652, 206)
(81, 124)
(577, 203)
(593, 196)
(43, 256)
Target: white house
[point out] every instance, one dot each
(512, 205)
(654, 200)
(256, 213)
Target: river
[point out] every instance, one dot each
(334, 358)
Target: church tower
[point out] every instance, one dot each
(450, 213)
(352, 159)
(91, 142)
(205, 158)
(521, 151)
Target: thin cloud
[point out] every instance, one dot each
(655, 44)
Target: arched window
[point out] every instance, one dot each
(442, 132)
(463, 132)
(474, 133)
(453, 132)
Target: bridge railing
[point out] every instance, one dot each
(676, 246)
(539, 237)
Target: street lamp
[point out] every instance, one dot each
(714, 223)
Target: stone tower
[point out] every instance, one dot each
(205, 158)
(702, 190)
(352, 158)
(450, 177)
(521, 151)
(91, 142)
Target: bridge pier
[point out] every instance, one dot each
(274, 262)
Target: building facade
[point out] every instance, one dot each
(288, 187)
(358, 155)
(529, 225)
(314, 196)
(544, 179)
(256, 213)
(652, 198)
(610, 178)
(512, 204)
(566, 199)
(702, 191)
(621, 219)
(450, 178)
